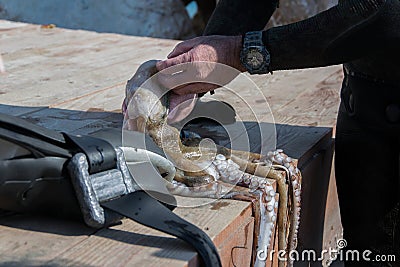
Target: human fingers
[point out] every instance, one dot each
(176, 100)
(180, 75)
(180, 107)
(182, 58)
(175, 76)
(129, 124)
(124, 106)
(181, 48)
(195, 88)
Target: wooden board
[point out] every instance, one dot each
(74, 81)
(27, 240)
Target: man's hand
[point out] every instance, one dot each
(185, 79)
(198, 66)
(180, 106)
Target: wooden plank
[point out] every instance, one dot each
(284, 94)
(27, 240)
(37, 240)
(274, 257)
(237, 248)
(283, 87)
(109, 99)
(88, 63)
(72, 85)
(227, 234)
(320, 102)
(131, 244)
(41, 240)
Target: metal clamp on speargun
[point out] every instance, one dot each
(43, 171)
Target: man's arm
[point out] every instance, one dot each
(236, 17)
(341, 34)
(349, 31)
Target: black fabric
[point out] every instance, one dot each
(374, 104)
(367, 167)
(236, 17)
(361, 33)
(364, 35)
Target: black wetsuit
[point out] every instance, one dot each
(364, 35)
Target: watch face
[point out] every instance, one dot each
(254, 58)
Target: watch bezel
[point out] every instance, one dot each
(253, 41)
(263, 68)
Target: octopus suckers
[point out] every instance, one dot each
(220, 157)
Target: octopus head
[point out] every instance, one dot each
(146, 100)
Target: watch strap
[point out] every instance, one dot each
(253, 38)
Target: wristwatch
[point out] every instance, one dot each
(254, 55)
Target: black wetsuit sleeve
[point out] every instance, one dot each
(340, 34)
(234, 17)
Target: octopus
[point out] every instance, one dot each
(213, 171)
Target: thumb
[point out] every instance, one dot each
(180, 107)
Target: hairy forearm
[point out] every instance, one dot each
(234, 17)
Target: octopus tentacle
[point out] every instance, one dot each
(266, 171)
(296, 212)
(264, 194)
(212, 171)
(232, 171)
(163, 165)
(216, 189)
(295, 178)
